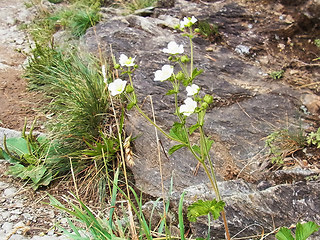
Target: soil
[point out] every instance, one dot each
(16, 103)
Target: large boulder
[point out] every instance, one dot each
(246, 110)
(248, 107)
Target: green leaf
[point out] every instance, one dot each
(175, 148)
(130, 105)
(196, 72)
(197, 149)
(171, 91)
(2, 154)
(303, 231)
(17, 170)
(284, 234)
(17, 145)
(193, 128)
(202, 208)
(177, 131)
(35, 172)
(209, 143)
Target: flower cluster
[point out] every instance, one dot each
(187, 22)
(166, 72)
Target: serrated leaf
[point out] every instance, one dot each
(197, 149)
(196, 72)
(284, 234)
(209, 143)
(202, 208)
(193, 128)
(175, 148)
(303, 231)
(171, 91)
(130, 105)
(178, 132)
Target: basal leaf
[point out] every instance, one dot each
(17, 170)
(193, 128)
(284, 234)
(35, 172)
(175, 148)
(303, 231)
(17, 145)
(202, 208)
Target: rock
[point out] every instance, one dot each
(277, 206)
(165, 3)
(7, 227)
(242, 50)
(237, 122)
(3, 185)
(145, 12)
(9, 192)
(312, 102)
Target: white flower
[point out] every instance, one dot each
(104, 75)
(192, 90)
(173, 48)
(188, 22)
(125, 61)
(188, 107)
(164, 73)
(117, 87)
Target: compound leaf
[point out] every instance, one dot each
(303, 231)
(175, 148)
(284, 234)
(202, 208)
(178, 132)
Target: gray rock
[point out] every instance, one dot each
(7, 227)
(9, 192)
(9, 134)
(245, 107)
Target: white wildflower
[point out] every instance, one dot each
(188, 107)
(164, 73)
(117, 87)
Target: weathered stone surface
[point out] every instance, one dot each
(247, 108)
(252, 211)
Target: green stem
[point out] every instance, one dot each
(160, 129)
(213, 180)
(191, 52)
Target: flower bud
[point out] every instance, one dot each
(197, 30)
(185, 59)
(180, 76)
(204, 105)
(117, 66)
(136, 66)
(129, 89)
(208, 99)
(170, 58)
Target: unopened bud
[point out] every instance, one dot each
(185, 59)
(180, 76)
(208, 99)
(117, 66)
(129, 89)
(204, 105)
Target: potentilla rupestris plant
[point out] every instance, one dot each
(193, 104)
